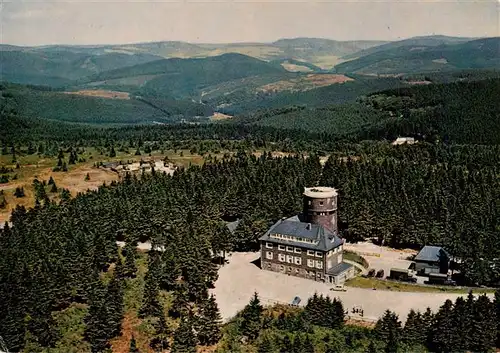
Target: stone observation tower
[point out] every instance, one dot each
(320, 207)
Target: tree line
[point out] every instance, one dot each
(468, 325)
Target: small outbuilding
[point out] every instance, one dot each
(432, 259)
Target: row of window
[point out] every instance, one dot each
(333, 251)
(297, 270)
(292, 238)
(297, 260)
(295, 250)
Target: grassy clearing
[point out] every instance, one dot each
(379, 284)
(40, 167)
(352, 256)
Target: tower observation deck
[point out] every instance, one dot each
(320, 206)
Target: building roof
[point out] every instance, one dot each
(232, 225)
(320, 192)
(431, 254)
(326, 240)
(340, 268)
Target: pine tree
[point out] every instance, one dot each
(184, 338)
(133, 346)
(265, 345)
(97, 328)
(160, 342)
(297, 345)
(444, 335)
(414, 330)
(496, 304)
(286, 345)
(65, 195)
(19, 192)
(308, 346)
(251, 318)
(484, 325)
(115, 305)
(372, 348)
(151, 305)
(53, 188)
(112, 152)
(130, 251)
(209, 322)
(388, 330)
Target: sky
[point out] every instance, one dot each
(43, 22)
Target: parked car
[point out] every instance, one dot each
(380, 274)
(403, 275)
(339, 288)
(296, 301)
(371, 272)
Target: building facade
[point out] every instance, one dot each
(308, 245)
(431, 259)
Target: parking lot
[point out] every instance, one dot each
(240, 278)
(384, 258)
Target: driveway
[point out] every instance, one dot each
(239, 279)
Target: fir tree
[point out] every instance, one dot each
(209, 322)
(251, 318)
(444, 335)
(184, 338)
(133, 346)
(286, 345)
(414, 330)
(160, 342)
(19, 192)
(151, 305)
(308, 347)
(130, 251)
(388, 329)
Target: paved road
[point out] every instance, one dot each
(363, 270)
(240, 278)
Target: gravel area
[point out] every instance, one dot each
(240, 278)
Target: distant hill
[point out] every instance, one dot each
(34, 103)
(427, 41)
(59, 67)
(459, 112)
(475, 54)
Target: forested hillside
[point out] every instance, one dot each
(59, 68)
(476, 54)
(460, 112)
(44, 104)
(60, 257)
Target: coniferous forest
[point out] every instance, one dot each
(58, 256)
(67, 286)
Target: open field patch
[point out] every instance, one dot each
(295, 68)
(304, 83)
(219, 116)
(101, 93)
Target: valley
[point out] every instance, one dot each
(250, 197)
